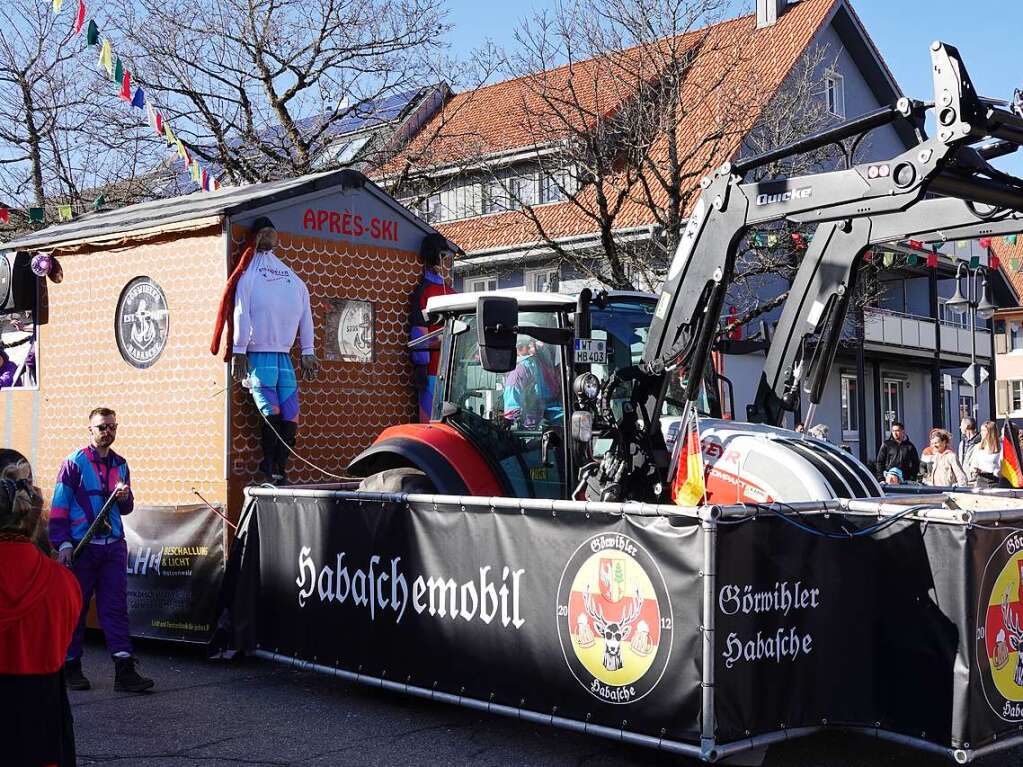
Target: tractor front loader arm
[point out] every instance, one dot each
(689, 307)
(819, 298)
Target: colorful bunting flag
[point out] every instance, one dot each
(916, 245)
(758, 240)
(139, 99)
(216, 184)
(912, 259)
(1014, 264)
(64, 212)
(80, 17)
(1010, 239)
(889, 259)
(772, 240)
(974, 261)
(195, 172)
(36, 215)
(118, 74)
(932, 260)
(5, 215)
(204, 182)
(169, 134)
(92, 33)
(798, 241)
(868, 256)
(985, 242)
(57, 5)
(99, 202)
(159, 122)
(126, 86)
(106, 53)
(994, 262)
(960, 244)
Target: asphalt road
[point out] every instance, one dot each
(251, 712)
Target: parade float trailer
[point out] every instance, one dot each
(544, 555)
(129, 328)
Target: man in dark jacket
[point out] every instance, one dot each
(898, 452)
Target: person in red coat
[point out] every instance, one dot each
(39, 606)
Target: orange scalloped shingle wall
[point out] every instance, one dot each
(350, 403)
(171, 415)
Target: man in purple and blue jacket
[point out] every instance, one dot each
(85, 480)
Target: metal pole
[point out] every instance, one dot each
(861, 387)
(708, 523)
(972, 299)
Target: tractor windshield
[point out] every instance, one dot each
(517, 418)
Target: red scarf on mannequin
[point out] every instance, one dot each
(225, 314)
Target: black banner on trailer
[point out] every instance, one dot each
(591, 617)
(996, 614)
(863, 631)
(175, 568)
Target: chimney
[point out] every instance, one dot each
(768, 12)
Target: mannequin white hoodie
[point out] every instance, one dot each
(271, 305)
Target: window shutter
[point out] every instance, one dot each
(1002, 397)
(1001, 339)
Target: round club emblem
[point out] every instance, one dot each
(142, 322)
(614, 618)
(1000, 630)
(355, 331)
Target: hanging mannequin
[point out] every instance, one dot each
(264, 306)
(426, 361)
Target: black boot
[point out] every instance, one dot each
(270, 443)
(126, 678)
(73, 676)
(288, 431)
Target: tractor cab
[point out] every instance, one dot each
(512, 408)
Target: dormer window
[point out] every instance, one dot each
(834, 94)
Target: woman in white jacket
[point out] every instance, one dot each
(985, 463)
(947, 470)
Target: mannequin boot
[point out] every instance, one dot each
(288, 431)
(270, 444)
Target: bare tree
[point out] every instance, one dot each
(626, 104)
(261, 87)
(64, 135)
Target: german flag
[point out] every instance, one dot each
(1012, 463)
(688, 487)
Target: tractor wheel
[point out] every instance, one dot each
(403, 479)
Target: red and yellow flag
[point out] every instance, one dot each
(1012, 463)
(687, 486)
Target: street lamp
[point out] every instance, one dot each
(978, 304)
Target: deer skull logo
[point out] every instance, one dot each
(1015, 638)
(613, 632)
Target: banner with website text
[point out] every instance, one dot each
(175, 569)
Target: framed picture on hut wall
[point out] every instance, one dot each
(348, 331)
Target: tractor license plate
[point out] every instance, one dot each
(590, 351)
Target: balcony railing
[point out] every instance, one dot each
(910, 330)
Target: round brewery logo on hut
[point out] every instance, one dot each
(614, 618)
(999, 631)
(142, 322)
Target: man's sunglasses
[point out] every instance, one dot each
(101, 427)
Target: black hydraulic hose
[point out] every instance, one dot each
(902, 109)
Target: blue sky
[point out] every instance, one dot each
(988, 33)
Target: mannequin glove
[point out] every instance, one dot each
(239, 367)
(310, 367)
